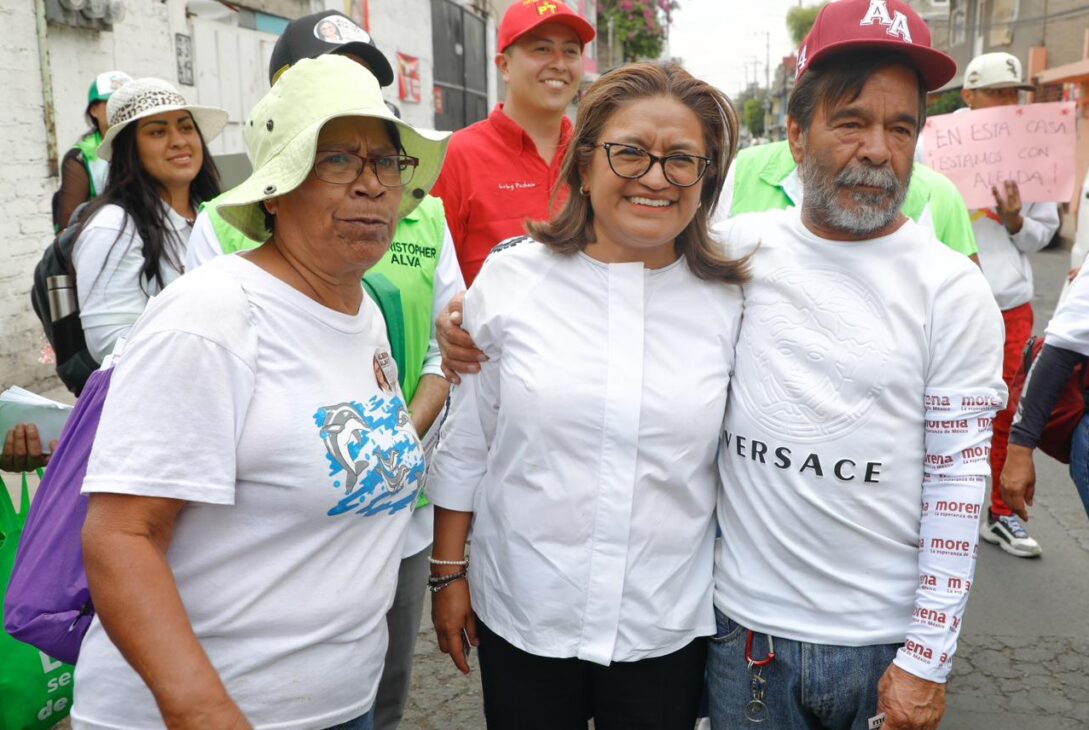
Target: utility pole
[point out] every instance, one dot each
(767, 60)
(612, 42)
(767, 82)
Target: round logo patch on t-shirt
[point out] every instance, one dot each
(385, 370)
(337, 30)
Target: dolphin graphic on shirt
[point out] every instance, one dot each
(374, 455)
(394, 474)
(341, 429)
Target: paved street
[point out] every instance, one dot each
(1023, 662)
(441, 698)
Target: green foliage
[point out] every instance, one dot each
(800, 20)
(944, 103)
(754, 116)
(639, 26)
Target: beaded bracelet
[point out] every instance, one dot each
(437, 584)
(432, 561)
(434, 579)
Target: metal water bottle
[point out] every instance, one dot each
(62, 296)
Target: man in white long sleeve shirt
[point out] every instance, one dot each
(867, 375)
(1006, 235)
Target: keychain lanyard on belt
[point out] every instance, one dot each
(756, 711)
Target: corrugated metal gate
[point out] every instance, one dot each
(461, 65)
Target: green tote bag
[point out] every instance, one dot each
(36, 689)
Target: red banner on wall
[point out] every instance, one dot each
(408, 78)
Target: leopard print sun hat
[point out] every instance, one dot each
(147, 97)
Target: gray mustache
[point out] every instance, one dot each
(878, 177)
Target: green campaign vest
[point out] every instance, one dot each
(759, 173)
(758, 176)
(409, 268)
(97, 169)
(402, 283)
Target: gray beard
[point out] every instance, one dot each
(872, 212)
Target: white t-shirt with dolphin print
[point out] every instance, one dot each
(280, 422)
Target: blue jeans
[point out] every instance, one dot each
(809, 686)
(363, 722)
(1079, 461)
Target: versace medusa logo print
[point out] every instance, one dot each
(815, 354)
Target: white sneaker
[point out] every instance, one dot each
(1009, 534)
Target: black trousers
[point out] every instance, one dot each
(523, 691)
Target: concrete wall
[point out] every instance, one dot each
(24, 199)
(405, 26)
(142, 44)
(77, 55)
(1064, 32)
(1058, 25)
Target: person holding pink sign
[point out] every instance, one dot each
(1006, 235)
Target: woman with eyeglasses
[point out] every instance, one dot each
(255, 465)
(582, 454)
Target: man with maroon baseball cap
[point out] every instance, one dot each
(885, 26)
(866, 379)
(501, 171)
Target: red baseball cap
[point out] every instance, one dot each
(525, 15)
(882, 25)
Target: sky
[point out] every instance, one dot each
(719, 40)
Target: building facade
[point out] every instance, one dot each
(1051, 39)
(782, 85)
(216, 53)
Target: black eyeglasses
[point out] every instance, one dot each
(632, 163)
(342, 168)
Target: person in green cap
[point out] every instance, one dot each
(411, 284)
(83, 173)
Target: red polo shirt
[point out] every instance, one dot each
(493, 180)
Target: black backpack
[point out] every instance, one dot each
(74, 361)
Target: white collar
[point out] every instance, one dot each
(792, 186)
(177, 221)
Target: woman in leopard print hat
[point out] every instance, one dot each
(133, 236)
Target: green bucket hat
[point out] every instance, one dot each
(282, 137)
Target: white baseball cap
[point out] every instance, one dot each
(995, 71)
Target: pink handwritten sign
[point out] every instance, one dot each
(1032, 144)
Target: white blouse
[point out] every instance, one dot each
(586, 450)
(112, 292)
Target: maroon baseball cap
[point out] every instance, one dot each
(525, 15)
(881, 25)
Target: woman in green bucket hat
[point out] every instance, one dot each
(242, 544)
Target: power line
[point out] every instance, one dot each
(1030, 21)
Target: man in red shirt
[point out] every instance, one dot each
(500, 171)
